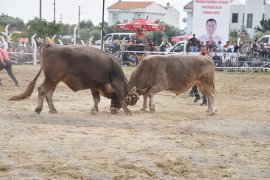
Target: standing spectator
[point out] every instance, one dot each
(3, 44)
(193, 43)
(151, 45)
(188, 46)
(5, 63)
(194, 90)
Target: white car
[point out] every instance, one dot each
(178, 47)
(265, 40)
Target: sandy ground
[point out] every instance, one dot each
(178, 141)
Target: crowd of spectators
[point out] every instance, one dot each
(256, 54)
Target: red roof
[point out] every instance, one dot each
(127, 5)
(189, 5)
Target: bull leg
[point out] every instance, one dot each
(211, 104)
(145, 98)
(42, 91)
(207, 89)
(50, 102)
(96, 98)
(119, 91)
(114, 106)
(46, 89)
(154, 90)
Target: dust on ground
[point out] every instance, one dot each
(178, 141)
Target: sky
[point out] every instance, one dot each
(68, 10)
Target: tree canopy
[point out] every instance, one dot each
(264, 26)
(87, 29)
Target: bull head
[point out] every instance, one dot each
(133, 96)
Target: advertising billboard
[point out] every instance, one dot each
(211, 20)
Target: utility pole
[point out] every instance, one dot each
(54, 10)
(102, 24)
(79, 19)
(40, 9)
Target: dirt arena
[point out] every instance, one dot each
(178, 141)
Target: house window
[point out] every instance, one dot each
(234, 17)
(115, 18)
(249, 20)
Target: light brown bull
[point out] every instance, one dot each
(174, 73)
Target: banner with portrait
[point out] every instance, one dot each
(211, 20)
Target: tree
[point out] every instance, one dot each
(14, 23)
(264, 26)
(43, 28)
(86, 24)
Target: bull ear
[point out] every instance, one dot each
(141, 91)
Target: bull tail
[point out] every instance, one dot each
(214, 89)
(28, 91)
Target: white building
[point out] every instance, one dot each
(123, 11)
(243, 13)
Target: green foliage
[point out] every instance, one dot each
(233, 35)
(264, 26)
(14, 23)
(87, 29)
(87, 25)
(43, 28)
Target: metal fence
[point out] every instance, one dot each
(235, 62)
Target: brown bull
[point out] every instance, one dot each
(175, 73)
(79, 67)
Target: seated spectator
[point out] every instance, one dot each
(225, 47)
(235, 47)
(230, 48)
(257, 61)
(164, 45)
(264, 52)
(256, 47)
(151, 45)
(217, 60)
(204, 50)
(225, 60)
(214, 47)
(220, 48)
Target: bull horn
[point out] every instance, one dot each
(132, 90)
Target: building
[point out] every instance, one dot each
(124, 11)
(243, 14)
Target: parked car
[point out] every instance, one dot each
(109, 38)
(265, 40)
(178, 47)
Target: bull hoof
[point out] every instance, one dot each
(128, 112)
(37, 111)
(53, 111)
(94, 111)
(143, 109)
(152, 108)
(114, 110)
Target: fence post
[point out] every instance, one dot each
(34, 46)
(75, 37)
